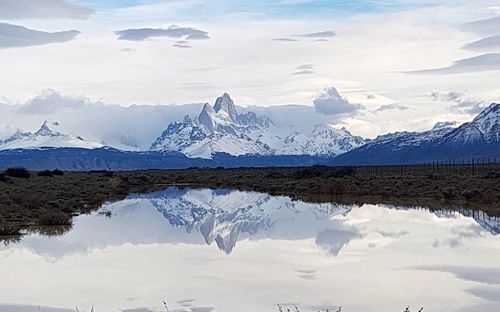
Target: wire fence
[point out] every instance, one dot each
(482, 166)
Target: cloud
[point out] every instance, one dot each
(321, 34)
(334, 240)
(182, 45)
(23, 9)
(488, 293)
(478, 63)
(12, 36)
(447, 96)
(303, 72)
(484, 44)
(30, 308)
(306, 67)
(485, 26)
(461, 104)
(468, 106)
(487, 276)
(393, 234)
(50, 102)
(307, 274)
(141, 34)
(330, 102)
(285, 39)
(394, 106)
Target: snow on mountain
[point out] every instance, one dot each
(405, 138)
(445, 124)
(50, 134)
(322, 140)
(485, 128)
(217, 129)
(478, 138)
(220, 129)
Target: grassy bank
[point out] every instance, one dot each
(41, 200)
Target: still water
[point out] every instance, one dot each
(224, 250)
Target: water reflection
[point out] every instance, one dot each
(136, 253)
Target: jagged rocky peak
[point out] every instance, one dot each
(188, 120)
(226, 104)
(18, 135)
(206, 117)
(49, 129)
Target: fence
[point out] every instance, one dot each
(481, 166)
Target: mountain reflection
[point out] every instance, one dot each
(224, 217)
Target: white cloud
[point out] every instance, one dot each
(49, 102)
(330, 102)
(12, 36)
(484, 62)
(282, 39)
(485, 44)
(186, 33)
(483, 26)
(23, 9)
(321, 34)
(389, 107)
(460, 103)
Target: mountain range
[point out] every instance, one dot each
(220, 129)
(220, 136)
(50, 135)
(478, 138)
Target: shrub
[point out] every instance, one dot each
(469, 194)
(48, 173)
(324, 172)
(57, 172)
(51, 218)
(45, 173)
(9, 231)
(494, 174)
(3, 178)
(18, 172)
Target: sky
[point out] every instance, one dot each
(374, 66)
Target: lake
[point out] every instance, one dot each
(225, 250)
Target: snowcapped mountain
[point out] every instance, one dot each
(220, 129)
(478, 138)
(400, 140)
(50, 135)
(322, 140)
(485, 128)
